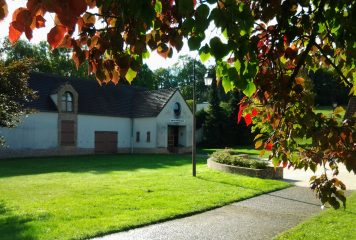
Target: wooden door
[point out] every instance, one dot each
(67, 133)
(105, 142)
(173, 138)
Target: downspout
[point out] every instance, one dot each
(132, 136)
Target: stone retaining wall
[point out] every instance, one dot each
(269, 172)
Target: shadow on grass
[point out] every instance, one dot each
(14, 227)
(93, 163)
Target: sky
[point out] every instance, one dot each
(154, 62)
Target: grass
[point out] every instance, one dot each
(87, 196)
(329, 225)
(325, 110)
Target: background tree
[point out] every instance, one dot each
(214, 120)
(57, 61)
(184, 74)
(14, 92)
(146, 78)
(165, 78)
(327, 88)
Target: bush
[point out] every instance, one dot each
(229, 157)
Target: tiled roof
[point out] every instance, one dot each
(106, 100)
(351, 108)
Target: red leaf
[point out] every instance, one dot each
(23, 17)
(254, 112)
(239, 115)
(285, 164)
(3, 10)
(56, 35)
(14, 32)
(28, 33)
(40, 21)
(78, 6)
(269, 146)
(248, 119)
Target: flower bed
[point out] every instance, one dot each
(227, 161)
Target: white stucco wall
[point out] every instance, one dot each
(167, 117)
(144, 125)
(88, 124)
(36, 131)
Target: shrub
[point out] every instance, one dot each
(229, 157)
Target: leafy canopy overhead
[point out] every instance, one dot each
(264, 49)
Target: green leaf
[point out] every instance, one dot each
(218, 49)
(258, 136)
(185, 7)
(237, 65)
(194, 42)
(275, 162)
(204, 53)
(203, 11)
(224, 33)
(227, 84)
(242, 84)
(242, 32)
(158, 6)
(130, 75)
(250, 89)
(338, 110)
(233, 74)
(146, 54)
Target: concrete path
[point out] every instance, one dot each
(301, 177)
(261, 217)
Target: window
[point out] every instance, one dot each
(148, 139)
(137, 136)
(177, 108)
(67, 102)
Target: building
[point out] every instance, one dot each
(76, 116)
(351, 108)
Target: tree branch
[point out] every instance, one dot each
(311, 41)
(334, 66)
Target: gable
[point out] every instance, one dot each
(168, 110)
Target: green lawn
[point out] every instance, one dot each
(81, 197)
(325, 110)
(329, 225)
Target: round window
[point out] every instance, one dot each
(176, 108)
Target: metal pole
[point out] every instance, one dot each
(193, 134)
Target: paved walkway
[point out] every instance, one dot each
(261, 217)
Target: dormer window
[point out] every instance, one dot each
(67, 102)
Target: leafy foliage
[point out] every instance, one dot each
(57, 61)
(267, 44)
(14, 92)
(228, 157)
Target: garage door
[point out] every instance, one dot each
(105, 142)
